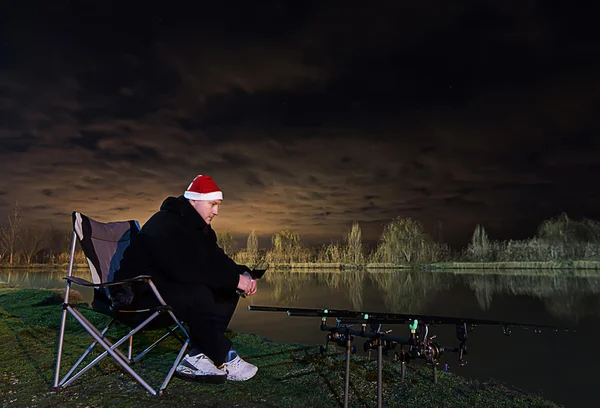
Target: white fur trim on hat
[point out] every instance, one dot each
(192, 195)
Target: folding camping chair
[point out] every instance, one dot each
(103, 245)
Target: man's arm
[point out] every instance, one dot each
(183, 261)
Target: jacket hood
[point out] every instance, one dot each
(181, 206)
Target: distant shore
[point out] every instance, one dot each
(446, 266)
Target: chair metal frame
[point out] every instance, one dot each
(99, 336)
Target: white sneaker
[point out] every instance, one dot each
(237, 369)
(200, 368)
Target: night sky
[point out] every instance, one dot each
(309, 115)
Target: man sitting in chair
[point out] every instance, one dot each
(178, 248)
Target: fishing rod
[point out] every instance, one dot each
(418, 345)
(350, 316)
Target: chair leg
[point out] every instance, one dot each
(61, 337)
(150, 347)
(68, 379)
(63, 322)
(172, 370)
(83, 357)
(110, 350)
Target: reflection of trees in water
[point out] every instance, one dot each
(408, 291)
(564, 297)
(35, 278)
(573, 306)
(401, 291)
(351, 283)
(285, 284)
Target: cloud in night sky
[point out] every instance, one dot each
(308, 117)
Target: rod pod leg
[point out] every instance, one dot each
(379, 372)
(347, 377)
(402, 363)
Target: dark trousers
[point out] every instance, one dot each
(206, 313)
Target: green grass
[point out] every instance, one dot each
(289, 375)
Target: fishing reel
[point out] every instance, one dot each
(415, 344)
(339, 339)
(373, 342)
(422, 346)
(339, 335)
(431, 351)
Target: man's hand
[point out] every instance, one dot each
(247, 284)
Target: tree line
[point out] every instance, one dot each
(21, 243)
(403, 241)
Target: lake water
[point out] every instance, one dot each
(559, 366)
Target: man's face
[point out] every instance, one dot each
(207, 209)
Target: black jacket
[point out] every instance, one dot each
(179, 250)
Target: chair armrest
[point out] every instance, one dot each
(79, 281)
(83, 282)
(139, 278)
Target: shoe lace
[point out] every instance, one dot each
(198, 357)
(233, 363)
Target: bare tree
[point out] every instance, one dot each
(58, 245)
(31, 241)
(9, 234)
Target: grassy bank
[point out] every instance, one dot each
(289, 375)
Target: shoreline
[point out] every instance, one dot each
(542, 268)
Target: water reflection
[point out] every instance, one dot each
(567, 298)
(404, 292)
(38, 278)
(401, 291)
(44, 279)
(564, 297)
(284, 285)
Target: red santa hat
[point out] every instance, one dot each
(203, 188)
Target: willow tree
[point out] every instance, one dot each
(226, 241)
(332, 253)
(404, 241)
(563, 230)
(287, 247)
(569, 239)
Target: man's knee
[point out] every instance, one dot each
(201, 299)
